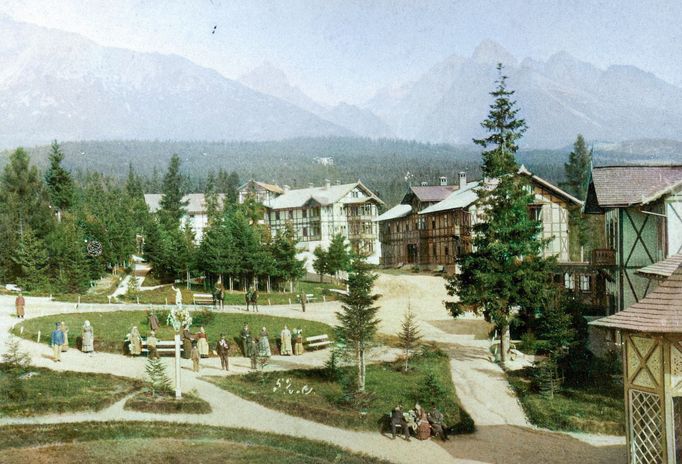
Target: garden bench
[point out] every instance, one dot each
(163, 347)
(317, 341)
(166, 347)
(309, 297)
(202, 299)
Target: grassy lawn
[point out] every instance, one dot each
(158, 442)
(167, 404)
(323, 404)
(592, 409)
(111, 327)
(48, 392)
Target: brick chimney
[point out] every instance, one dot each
(443, 181)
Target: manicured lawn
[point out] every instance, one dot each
(165, 295)
(48, 392)
(592, 409)
(389, 385)
(167, 404)
(111, 327)
(161, 443)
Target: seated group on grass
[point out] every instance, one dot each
(418, 422)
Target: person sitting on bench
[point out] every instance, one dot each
(397, 419)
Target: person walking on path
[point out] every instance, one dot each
(19, 305)
(298, 342)
(202, 343)
(253, 353)
(57, 340)
(264, 344)
(195, 357)
(178, 295)
(153, 321)
(222, 349)
(304, 299)
(87, 338)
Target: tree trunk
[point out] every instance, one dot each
(361, 371)
(504, 343)
(231, 284)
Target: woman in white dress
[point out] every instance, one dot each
(88, 338)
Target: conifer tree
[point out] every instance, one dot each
(358, 316)
(338, 255)
(506, 271)
(577, 172)
(31, 260)
(172, 206)
(409, 335)
(58, 180)
(320, 264)
(283, 250)
(159, 382)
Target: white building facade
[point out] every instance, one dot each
(317, 214)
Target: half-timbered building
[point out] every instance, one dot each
(316, 214)
(260, 191)
(642, 208)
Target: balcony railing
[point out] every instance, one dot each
(603, 257)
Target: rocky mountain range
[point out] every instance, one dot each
(59, 85)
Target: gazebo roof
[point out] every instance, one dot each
(659, 312)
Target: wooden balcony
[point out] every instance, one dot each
(603, 257)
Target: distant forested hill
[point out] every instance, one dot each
(381, 164)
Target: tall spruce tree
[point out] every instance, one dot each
(506, 271)
(338, 255)
(58, 180)
(577, 169)
(577, 172)
(31, 260)
(358, 316)
(172, 206)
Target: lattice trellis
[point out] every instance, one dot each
(646, 428)
(644, 362)
(676, 366)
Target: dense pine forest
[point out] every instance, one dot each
(383, 165)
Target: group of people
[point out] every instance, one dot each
(254, 347)
(419, 423)
(59, 339)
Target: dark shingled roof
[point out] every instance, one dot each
(631, 185)
(432, 193)
(659, 312)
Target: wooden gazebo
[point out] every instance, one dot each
(652, 373)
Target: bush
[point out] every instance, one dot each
(204, 318)
(15, 364)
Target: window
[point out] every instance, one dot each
(447, 251)
(304, 213)
(291, 214)
(535, 212)
(433, 223)
(276, 215)
(584, 283)
(568, 281)
(305, 231)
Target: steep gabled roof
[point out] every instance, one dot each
(270, 187)
(622, 186)
(431, 193)
(396, 212)
(322, 195)
(461, 198)
(659, 312)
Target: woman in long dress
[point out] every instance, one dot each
(264, 344)
(423, 426)
(202, 343)
(88, 338)
(65, 329)
(135, 342)
(285, 336)
(298, 342)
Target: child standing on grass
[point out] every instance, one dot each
(195, 357)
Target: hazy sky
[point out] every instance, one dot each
(346, 50)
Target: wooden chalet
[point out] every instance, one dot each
(402, 230)
(642, 209)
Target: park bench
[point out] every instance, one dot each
(202, 299)
(309, 297)
(317, 341)
(163, 347)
